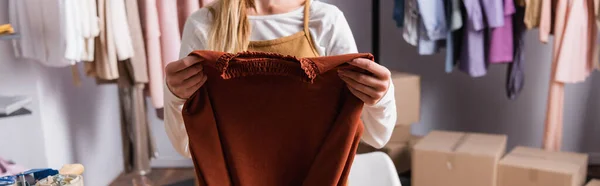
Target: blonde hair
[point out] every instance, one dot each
(230, 29)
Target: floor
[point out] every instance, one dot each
(185, 177)
(158, 177)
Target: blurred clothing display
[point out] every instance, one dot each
(150, 24)
(492, 33)
(41, 25)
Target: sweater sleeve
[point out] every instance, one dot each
(174, 125)
(379, 119)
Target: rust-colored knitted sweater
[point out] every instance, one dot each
(265, 119)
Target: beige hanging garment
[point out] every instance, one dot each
(138, 142)
(104, 66)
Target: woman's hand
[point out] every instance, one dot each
(369, 88)
(185, 76)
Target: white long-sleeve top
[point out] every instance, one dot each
(332, 35)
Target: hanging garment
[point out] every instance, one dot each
(473, 60)
(574, 36)
(40, 24)
(533, 9)
(454, 20)
(170, 39)
(74, 30)
(91, 28)
(399, 13)
(186, 8)
(315, 150)
(546, 19)
(432, 26)
(150, 24)
(596, 59)
(81, 29)
(139, 67)
(104, 66)
(120, 28)
(138, 143)
(501, 42)
(515, 73)
(411, 22)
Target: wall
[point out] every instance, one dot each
(458, 102)
(68, 124)
(21, 137)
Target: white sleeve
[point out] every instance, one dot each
(174, 125)
(379, 119)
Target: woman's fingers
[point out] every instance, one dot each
(185, 76)
(364, 79)
(362, 96)
(189, 86)
(189, 72)
(182, 64)
(194, 81)
(360, 87)
(379, 71)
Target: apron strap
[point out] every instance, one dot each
(306, 15)
(306, 27)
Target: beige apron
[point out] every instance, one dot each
(299, 44)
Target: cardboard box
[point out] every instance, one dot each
(457, 159)
(403, 159)
(413, 141)
(593, 183)
(526, 166)
(401, 134)
(407, 89)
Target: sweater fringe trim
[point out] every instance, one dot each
(262, 63)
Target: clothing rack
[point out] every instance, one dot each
(375, 22)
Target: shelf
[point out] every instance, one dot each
(10, 36)
(20, 112)
(13, 105)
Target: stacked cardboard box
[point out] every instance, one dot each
(408, 97)
(407, 93)
(525, 166)
(594, 183)
(457, 159)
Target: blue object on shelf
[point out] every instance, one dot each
(39, 174)
(8, 180)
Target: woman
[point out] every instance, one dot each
(292, 27)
